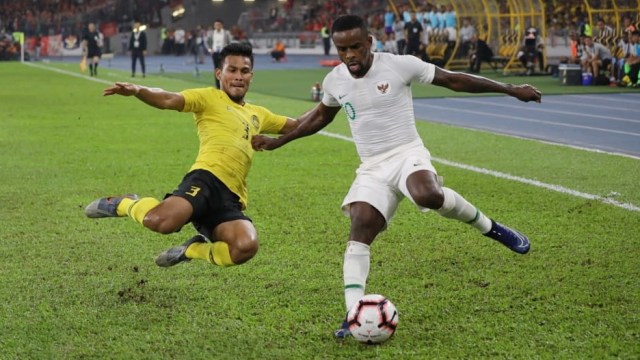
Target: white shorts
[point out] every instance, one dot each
(453, 33)
(383, 183)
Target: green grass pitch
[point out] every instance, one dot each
(78, 288)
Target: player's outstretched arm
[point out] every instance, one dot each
(477, 84)
(307, 124)
(155, 97)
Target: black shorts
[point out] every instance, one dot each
(94, 53)
(213, 203)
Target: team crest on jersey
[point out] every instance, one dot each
(382, 87)
(255, 122)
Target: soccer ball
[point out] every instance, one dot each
(373, 319)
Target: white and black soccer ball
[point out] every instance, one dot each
(373, 319)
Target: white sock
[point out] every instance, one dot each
(456, 207)
(356, 271)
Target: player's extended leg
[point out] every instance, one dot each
(236, 243)
(366, 223)
(426, 192)
(164, 217)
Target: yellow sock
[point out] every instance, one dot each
(121, 210)
(138, 209)
(216, 253)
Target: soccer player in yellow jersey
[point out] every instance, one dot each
(213, 194)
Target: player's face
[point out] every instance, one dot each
(235, 76)
(354, 49)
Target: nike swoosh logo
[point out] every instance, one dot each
(523, 243)
(341, 96)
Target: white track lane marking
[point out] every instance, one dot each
(538, 109)
(520, 118)
(601, 97)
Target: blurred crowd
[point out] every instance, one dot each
(426, 28)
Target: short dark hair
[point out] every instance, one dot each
(349, 22)
(238, 49)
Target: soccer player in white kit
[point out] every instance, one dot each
(374, 89)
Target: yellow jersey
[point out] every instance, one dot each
(225, 129)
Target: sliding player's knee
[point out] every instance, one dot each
(161, 224)
(243, 249)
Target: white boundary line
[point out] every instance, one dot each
(557, 188)
(70, 73)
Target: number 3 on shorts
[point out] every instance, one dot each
(194, 191)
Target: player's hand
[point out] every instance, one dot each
(121, 88)
(261, 142)
(527, 93)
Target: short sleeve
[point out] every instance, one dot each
(413, 69)
(328, 98)
(195, 99)
(271, 123)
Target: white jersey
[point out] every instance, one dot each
(379, 106)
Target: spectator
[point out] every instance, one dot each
(278, 52)
(200, 44)
(531, 52)
(326, 39)
(603, 31)
(168, 43)
(378, 42)
(423, 16)
(406, 14)
(413, 33)
(388, 20)
(632, 64)
(390, 44)
(180, 39)
(575, 44)
(624, 49)
(585, 27)
(138, 48)
(467, 31)
(434, 19)
(217, 39)
(442, 23)
(595, 56)
(450, 23)
(627, 24)
(398, 30)
(479, 52)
